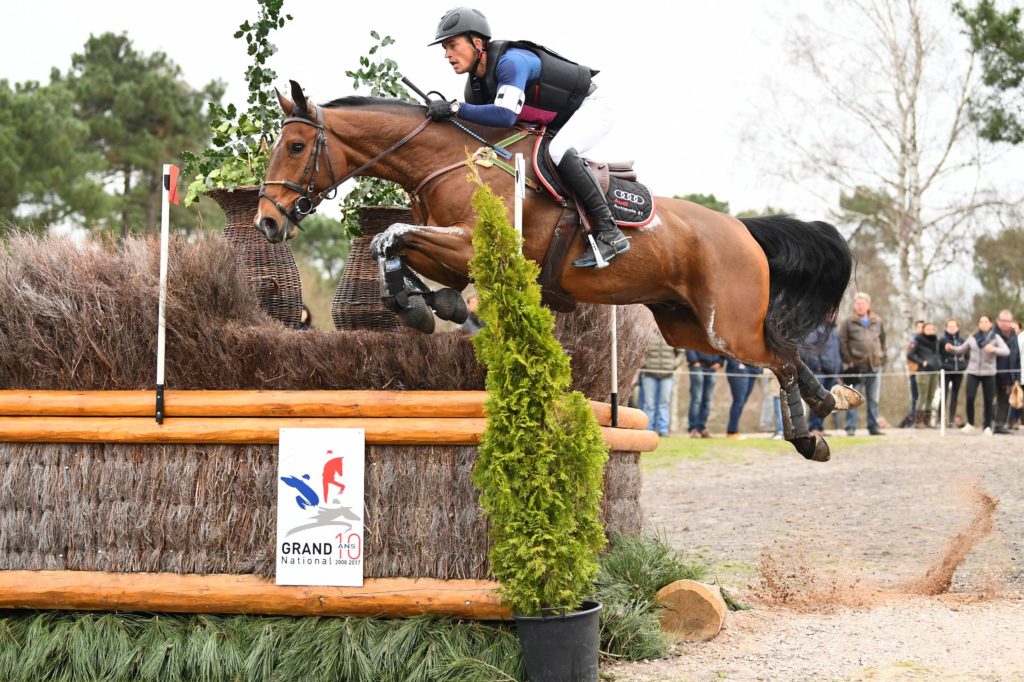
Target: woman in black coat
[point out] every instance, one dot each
(924, 351)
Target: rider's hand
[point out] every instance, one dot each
(439, 110)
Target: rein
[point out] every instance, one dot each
(305, 203)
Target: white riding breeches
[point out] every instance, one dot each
(584, 129)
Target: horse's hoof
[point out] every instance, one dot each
(846, 397)
(449, 305)
(417, 315)
(814, 448)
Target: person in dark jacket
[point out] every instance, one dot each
(1007, 370)
(862, 346)
(924, 352)
(820, 352)
(954, 366)
(703, 367)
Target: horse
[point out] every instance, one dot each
(750, 288)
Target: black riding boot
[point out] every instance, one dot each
(608, 237)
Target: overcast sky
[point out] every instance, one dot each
(689, 80)
(683, 77)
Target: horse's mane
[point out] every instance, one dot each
(357, 101)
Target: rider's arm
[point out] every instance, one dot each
(512, 74)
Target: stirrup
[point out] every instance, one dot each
(597, 260)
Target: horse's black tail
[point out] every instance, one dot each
(809, 267)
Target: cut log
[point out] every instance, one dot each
(694, 612)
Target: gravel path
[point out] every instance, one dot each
(902, 558)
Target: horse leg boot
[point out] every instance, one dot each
(794, 427)
(608, 240)
(403, 293)
(823, 402)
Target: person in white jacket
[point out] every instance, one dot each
(985, 345)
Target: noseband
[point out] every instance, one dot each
(305, 203)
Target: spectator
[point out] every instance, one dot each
(741, 380)
(1017, 414)
(702, 384)
(862, 348)
(773, 393)
(473, 323)
(954, 366)
(911, 417)
(820, 352)
(1007, 370)
(658, 381)
(984, 346)
(305, 318)
(924, 352)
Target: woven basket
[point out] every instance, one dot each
(269, 269)
(357, 303)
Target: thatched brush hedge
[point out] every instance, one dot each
(84, 317)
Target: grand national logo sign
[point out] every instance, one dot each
(320, 507)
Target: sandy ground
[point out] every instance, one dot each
(901, 559)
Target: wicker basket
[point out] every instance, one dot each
(357, 303)
(269, 268)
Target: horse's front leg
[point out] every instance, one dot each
(402, 291)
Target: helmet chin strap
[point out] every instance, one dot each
(479, 55)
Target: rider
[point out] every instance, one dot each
(512, 81)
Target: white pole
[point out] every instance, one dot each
(520, 192)
(942, 402)
(165, 228)
(615, 367)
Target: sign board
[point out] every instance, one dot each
(320, 507)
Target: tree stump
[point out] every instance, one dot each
(694, 612)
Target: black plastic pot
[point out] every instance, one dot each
(561, 645)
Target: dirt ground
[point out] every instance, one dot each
(901, 559)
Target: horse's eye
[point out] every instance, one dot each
(296, 147)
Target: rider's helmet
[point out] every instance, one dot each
(462, 20)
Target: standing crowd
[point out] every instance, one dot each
(853, 351)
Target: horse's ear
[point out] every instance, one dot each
(286, 104)
(300, 100)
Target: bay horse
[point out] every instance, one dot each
(750, 289)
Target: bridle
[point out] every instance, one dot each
(306, 202)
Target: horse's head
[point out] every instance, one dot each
(300, 172)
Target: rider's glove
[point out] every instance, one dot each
(439, 109)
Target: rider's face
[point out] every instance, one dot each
(460, 53)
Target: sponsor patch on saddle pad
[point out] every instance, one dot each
(632, 204)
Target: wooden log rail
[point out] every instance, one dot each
(174, 593)
(226, 417)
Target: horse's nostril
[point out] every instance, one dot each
(269, 226)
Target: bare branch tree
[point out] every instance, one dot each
(886, 109)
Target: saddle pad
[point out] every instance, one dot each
(632, 204)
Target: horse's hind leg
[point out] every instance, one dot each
(823, 402)
(794, 421)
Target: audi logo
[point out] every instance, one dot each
(629, 196)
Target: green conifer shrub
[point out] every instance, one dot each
(541, 464)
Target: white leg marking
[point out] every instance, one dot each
(383, 242)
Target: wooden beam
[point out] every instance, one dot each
(175, 593)
(442, 404)
(242, 430)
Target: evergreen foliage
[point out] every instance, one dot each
(541, 463)
(72, 645)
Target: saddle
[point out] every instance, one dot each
(632, 204)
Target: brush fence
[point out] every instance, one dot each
(101, 508)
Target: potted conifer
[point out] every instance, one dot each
(541, 463)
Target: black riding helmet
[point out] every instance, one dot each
(462, 20)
